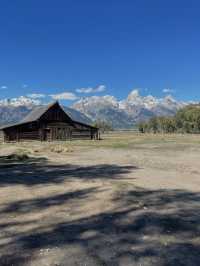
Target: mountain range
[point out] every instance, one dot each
(128, 112)
(120, 114)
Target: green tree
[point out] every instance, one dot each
(187, 120)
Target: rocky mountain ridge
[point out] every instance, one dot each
(126, 113)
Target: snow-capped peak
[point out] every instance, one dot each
(106, 100)
(133, 95)
(169, 99)
(20, 101)
(134, 100)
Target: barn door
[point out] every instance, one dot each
(60, 133)
(53, 133)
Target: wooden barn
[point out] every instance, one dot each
(48, 123)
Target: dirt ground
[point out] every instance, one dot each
(126, 200)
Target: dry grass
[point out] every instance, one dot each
(117, 140)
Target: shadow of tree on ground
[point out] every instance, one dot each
(36, 171)
(146, 227)
(33, 205)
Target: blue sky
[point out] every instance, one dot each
(51, 47)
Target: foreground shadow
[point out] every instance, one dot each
(35, 171)
(146, 227)
(38, 204)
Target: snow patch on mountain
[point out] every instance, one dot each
(20, 101)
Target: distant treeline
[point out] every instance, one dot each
(186, 120)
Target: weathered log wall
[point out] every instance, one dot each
(50, 134)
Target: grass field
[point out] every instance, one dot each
(128, 199)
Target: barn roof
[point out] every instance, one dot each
(36, 113)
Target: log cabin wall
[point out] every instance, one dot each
(29, 131)
(49, 132)
(83, 131)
